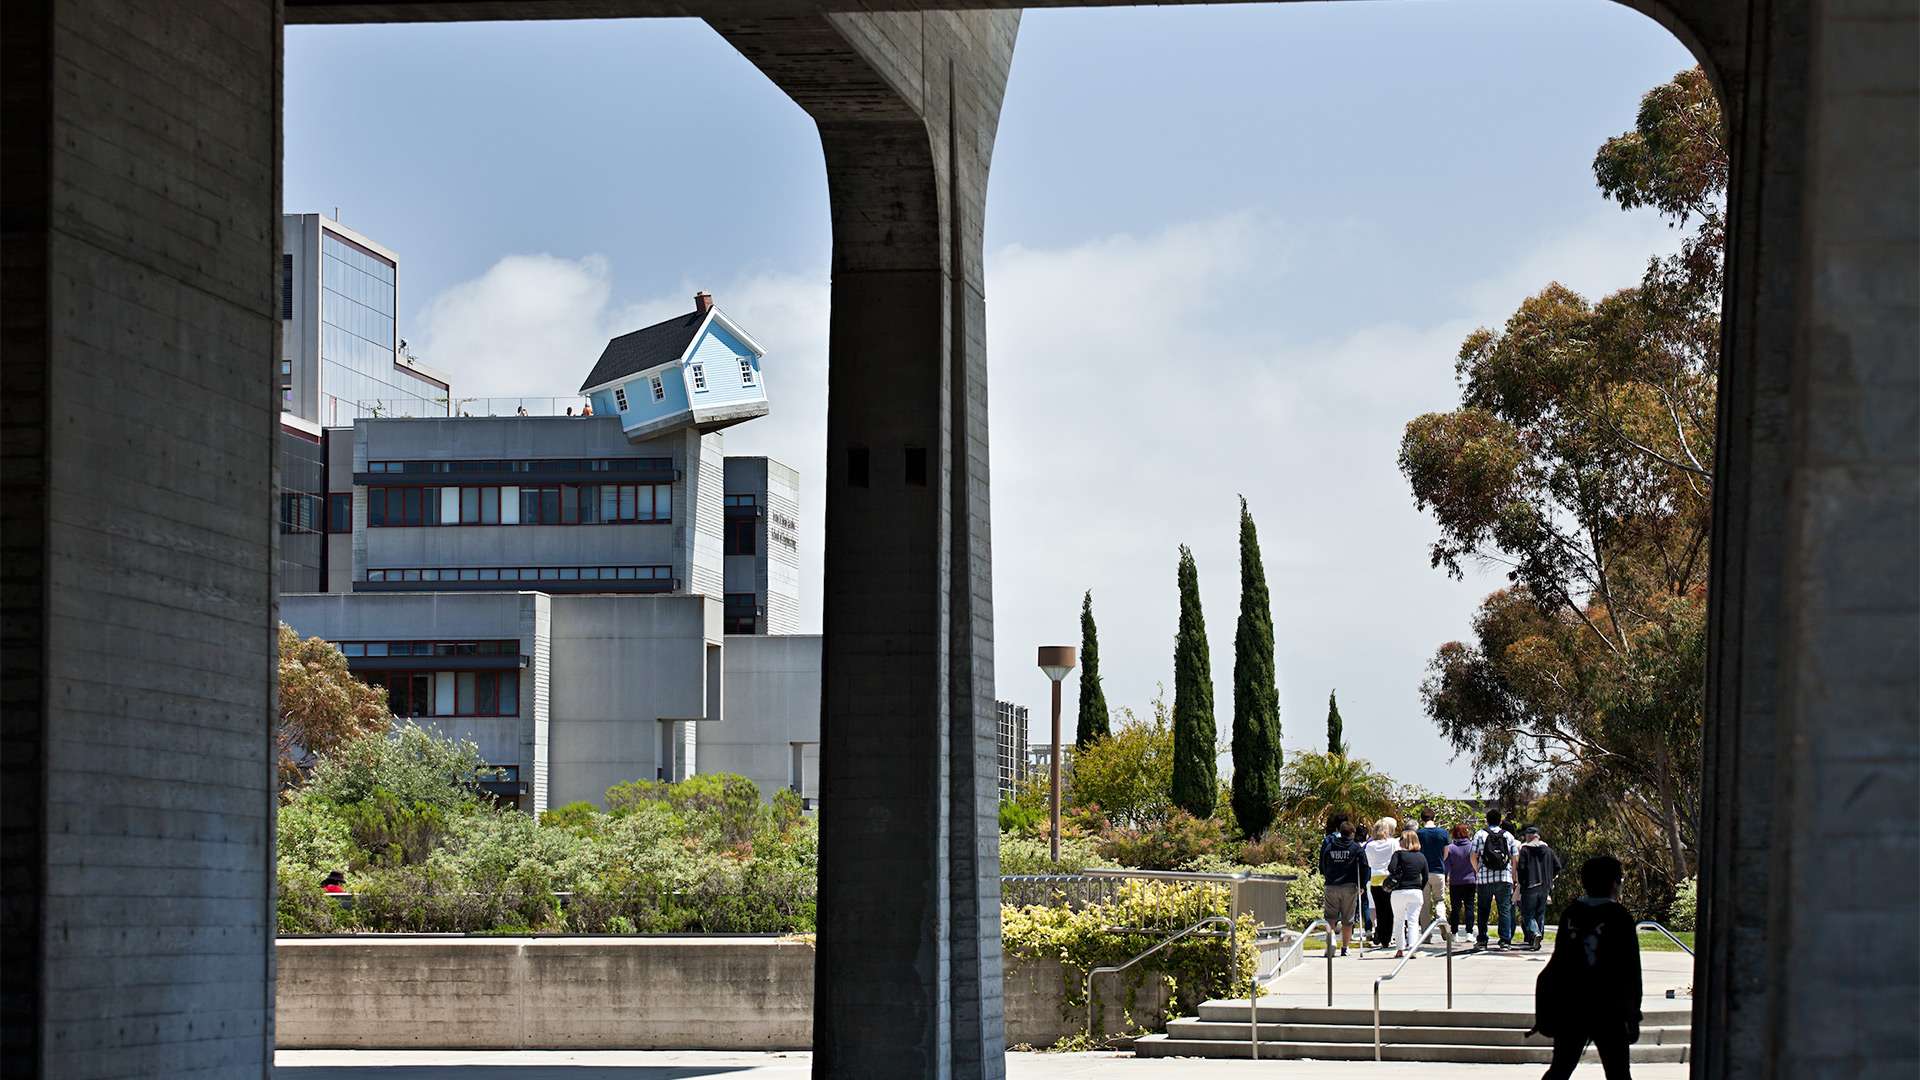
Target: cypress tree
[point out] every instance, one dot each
(1256, 697)
(1336, 736)
(1195, 782)
(1094, 724)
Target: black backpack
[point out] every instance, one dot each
(1497, 851)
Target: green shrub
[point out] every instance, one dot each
(1195, 968)
(1015, 817)
(1031, 855)
(1178, 840)
(1685, 912)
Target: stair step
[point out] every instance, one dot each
(1192, 1029)
(1159, 1046)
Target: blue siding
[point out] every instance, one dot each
(642, 409)
(602, 403)
(720, 354)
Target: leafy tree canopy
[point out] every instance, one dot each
(322, 706)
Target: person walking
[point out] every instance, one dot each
(1537, 866)
(1433, 844)
(1380, 851)
(1340, 862)
(1590, 990)
(1407, 884)
(1493, 850)
(1460, 883)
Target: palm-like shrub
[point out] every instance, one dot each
(1316, 786)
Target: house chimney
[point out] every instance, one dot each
(702, 302)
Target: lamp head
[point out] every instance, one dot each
(1057, 660)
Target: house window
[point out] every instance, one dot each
(340, 512)
(620, 398)
(746, 372)
(741, 534)
(699, 377)
(659, 388)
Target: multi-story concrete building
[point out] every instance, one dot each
(341, 358)
(561, 589)
(341, 353)
(1012, 745)
(762, 546)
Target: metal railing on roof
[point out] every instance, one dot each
(346, 412)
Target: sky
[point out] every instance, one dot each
(1231, 251)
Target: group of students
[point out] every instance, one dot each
(1381, 879)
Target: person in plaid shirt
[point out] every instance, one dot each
(1494, 849)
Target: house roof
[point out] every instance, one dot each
(648, 347)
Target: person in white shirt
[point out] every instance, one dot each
(1380, 849)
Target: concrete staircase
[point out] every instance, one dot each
(1417, 1034)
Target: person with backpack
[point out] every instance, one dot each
(1590, 990)
(1407, 885)
(1536, 868)
(1433, 844)
(1340, 863)
(1460, 883)
(1493, 850)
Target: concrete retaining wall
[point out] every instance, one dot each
(539, 993)
(611, 993)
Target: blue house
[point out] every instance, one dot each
(697, 370)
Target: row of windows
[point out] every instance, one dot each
(558, 504)
(536, 465)
(449, 693)
(508, 647)
(522, 573)
(742, 500)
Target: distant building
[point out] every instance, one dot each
(341, 358)
(590, 599)
(1012, 733)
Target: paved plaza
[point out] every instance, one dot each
(1482, 981)
(727, 1065)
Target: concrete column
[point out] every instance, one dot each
(141, 210)
(908, 981)
(1812, 717)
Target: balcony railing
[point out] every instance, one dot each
(346, 411)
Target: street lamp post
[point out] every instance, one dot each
(1056, 661)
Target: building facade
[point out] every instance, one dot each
(341, 355)
(1011, 728)
(761, 545)
(563, 590)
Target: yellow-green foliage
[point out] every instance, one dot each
(1195, 968)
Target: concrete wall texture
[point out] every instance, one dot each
(141, 250)
(773, 701)
(725, 993)
(546, 993)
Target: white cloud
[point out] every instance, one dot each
(1170, 372)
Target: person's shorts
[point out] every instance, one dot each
(1343, 905)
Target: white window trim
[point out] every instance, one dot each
(659, 388)
(746, 372)
(699, 374)
(620, 398)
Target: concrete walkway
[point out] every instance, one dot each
(798, 1065)
(1482, 981)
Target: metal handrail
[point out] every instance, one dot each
(1644, 924)
(1668, 934)
(1439, 921)
(1181, 875)
(1233, 952)
(1253, 993)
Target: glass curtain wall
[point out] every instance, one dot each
(358, 296)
